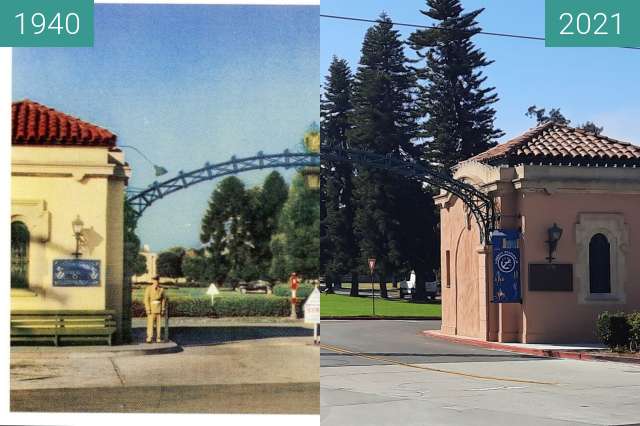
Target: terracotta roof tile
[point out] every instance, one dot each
(557, 144)
(36, 124)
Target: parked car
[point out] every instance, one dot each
(433, 288)
(409, 287)
(252, 286)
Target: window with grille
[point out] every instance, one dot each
(599, 264)
(19, 255)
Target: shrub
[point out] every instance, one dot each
(613, 330)
(633, 320)
(228, 306)
(283, 290)
(251, 305)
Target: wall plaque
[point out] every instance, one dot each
(550, 277)
(76, 273)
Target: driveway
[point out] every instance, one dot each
(387, 373)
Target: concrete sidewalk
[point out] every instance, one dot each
(217, 354)
(583, 352)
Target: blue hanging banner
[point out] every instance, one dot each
(506, 266)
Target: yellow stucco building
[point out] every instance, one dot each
(66, 174)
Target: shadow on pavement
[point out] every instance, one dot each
(205, 336)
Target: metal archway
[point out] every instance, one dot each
(157, 190)
(480, 204)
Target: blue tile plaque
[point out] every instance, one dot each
(76, 273)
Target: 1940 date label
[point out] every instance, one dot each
(46, 23)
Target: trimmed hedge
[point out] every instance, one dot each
(283, 290)
(619, 331)
(232, 306)
(634, 331)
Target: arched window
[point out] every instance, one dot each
(599, 264)
(19, 255)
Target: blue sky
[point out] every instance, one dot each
(186, 85)
(597, 84)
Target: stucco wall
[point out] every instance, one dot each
(462, 306)
(52, 186)
(561, 316)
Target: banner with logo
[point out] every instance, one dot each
(506, 266)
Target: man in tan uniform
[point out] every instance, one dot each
(154, 303)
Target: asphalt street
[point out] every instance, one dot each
(222, 368)
(388, 373)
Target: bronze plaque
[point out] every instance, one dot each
(550, 277)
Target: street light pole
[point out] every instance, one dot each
(159, 170)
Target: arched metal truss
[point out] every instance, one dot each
(140, 200)
(480, 204)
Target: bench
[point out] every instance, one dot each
(60, 326)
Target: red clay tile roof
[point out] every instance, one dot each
(556, 144)
(38, 125)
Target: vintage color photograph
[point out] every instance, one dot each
(165, 214)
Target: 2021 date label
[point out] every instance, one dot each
(46, 23)
(592, 23)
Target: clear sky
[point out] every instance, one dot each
(597, 84)
(185, 84)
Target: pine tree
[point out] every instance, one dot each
(296, 245)
(266, 206)
(226, 229)
(338, 249)
(459, 119)
(383, 122)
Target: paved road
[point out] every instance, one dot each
(222, 369)
(387, 373)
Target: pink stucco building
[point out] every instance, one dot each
(589, 186)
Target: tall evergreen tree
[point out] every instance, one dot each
(296, 245)
(338, 248)
(382, 122)
(226, 228)
(459, 119)
(266, 206)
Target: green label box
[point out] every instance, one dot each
(592, 23)
(46, 23)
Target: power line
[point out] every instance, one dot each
(432, 27)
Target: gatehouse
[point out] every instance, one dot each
(567, 208)
(67, 194)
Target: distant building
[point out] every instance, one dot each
(588, 186)
(67, 192)
(151, 259)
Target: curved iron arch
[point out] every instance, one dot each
(480, 204)
(140, 200)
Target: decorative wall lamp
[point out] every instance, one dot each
(554, 233)
(78, 226)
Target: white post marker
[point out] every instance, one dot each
(213, 292)
(312, 313)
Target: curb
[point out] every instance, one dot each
(75, 351)
(544, 353)
(370, 318)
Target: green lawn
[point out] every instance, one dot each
(339, 305)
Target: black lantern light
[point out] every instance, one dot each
(554, 234)
(78, 226)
